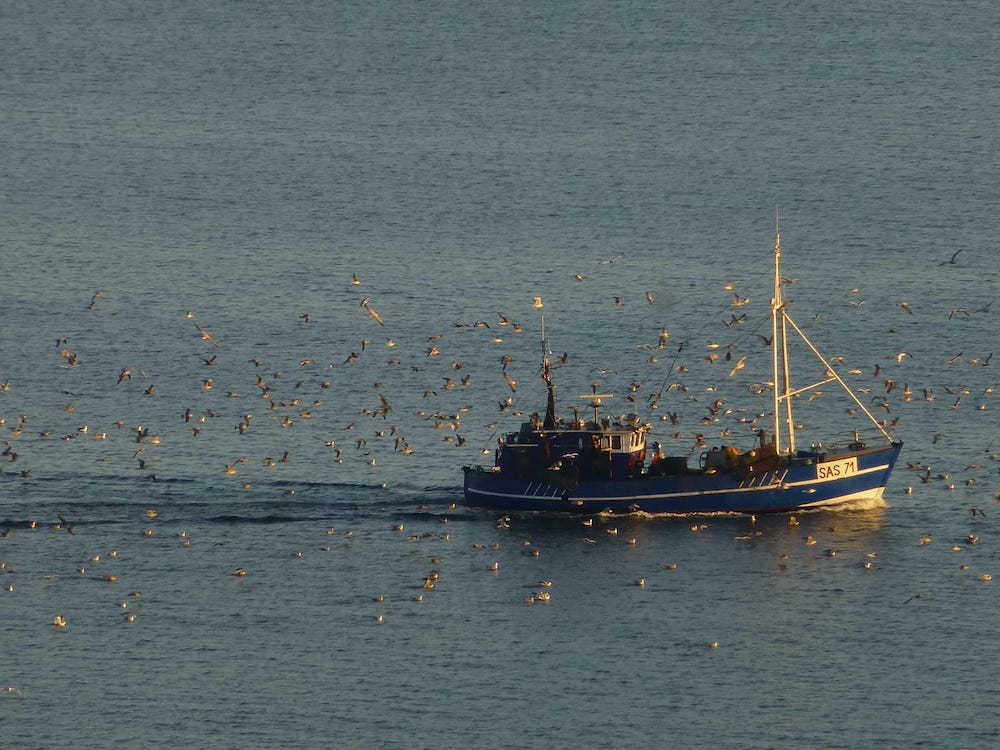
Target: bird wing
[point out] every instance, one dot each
(372, 312)
(206, 335)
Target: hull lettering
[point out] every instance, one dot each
(837, 469)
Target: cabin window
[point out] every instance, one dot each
(616, 442)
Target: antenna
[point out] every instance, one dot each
(596, 402)
(550, 405)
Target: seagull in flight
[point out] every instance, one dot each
(371, 311)
(206, 335)
(951, 261)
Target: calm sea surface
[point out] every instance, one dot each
(233, 167)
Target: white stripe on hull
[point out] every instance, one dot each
(858, 473)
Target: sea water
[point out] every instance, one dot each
(237, 166)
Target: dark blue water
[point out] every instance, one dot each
(235, 165)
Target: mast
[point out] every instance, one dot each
(550, 405)
(779, 354)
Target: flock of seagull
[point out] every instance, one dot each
(284, 400)
(413, 388)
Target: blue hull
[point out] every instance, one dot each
(802, 484)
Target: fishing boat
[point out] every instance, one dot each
(609, 464)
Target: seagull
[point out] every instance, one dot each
(371, 311)
(206, 335)
(951, 261)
